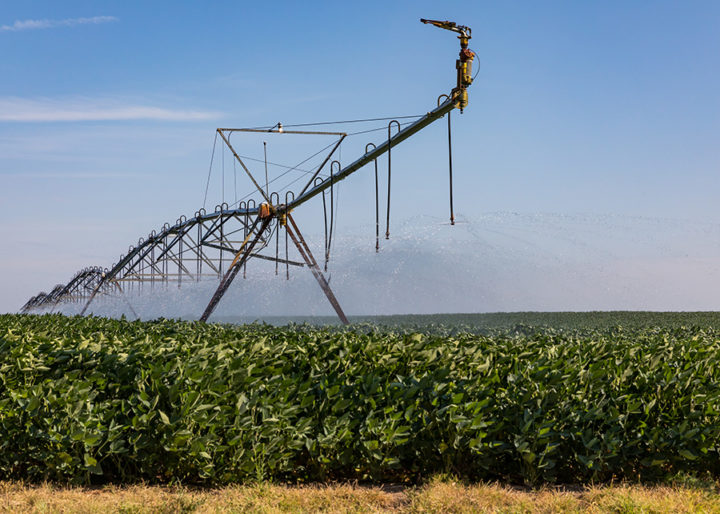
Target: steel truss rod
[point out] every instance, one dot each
(237, 157)
(219, 223)
(255, 255)
(194, 249)
(176, 259)
(323, 165)
(278, 260)
(283, 131)
(221, 248)
(176, 240)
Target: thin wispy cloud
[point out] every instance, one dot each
(69, 175)
(15, 109)
(48, 24)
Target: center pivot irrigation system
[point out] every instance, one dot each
(220, 243)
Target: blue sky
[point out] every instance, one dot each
(108, 111)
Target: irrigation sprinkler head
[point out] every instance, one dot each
(465, 32)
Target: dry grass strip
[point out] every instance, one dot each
(438, 496)
(456, 498)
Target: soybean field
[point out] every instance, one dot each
(524, 398)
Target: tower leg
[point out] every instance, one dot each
(307, 255)
(240, 259)
(92, 296)
(122, 293)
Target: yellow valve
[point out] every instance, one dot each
(265, 210)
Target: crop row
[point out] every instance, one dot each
(91, 399)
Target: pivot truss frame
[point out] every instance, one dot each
(219, 244)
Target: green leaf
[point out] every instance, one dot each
(687, 454)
